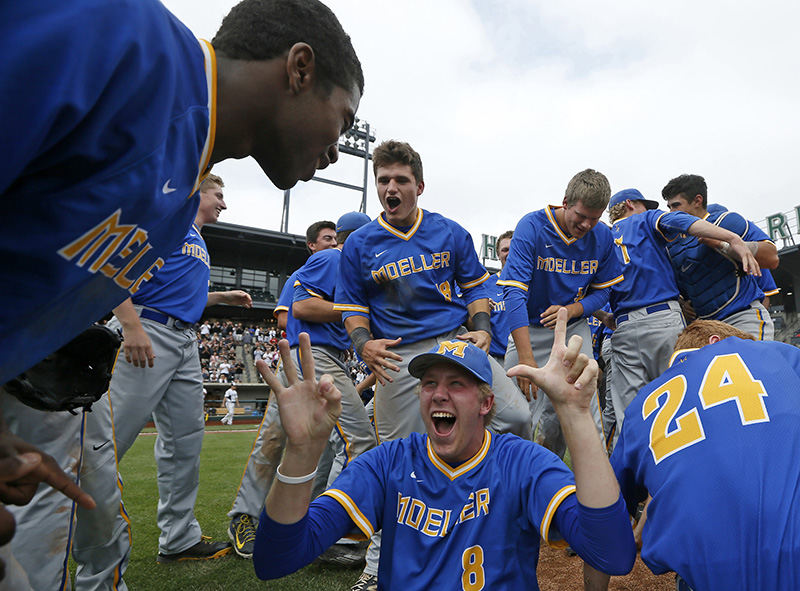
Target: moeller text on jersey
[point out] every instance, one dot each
(566, 266)
(436, 522)
(119, 257)
(413, 264)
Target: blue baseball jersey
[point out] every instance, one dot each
(714, 441)
(548, 267)
(403, 279)
(180, 288)
(498, 318)
(713, 283)
(641, 240)
(109, 110)
(317, 278)
(767, 283)
(286, 296)
(478, 524)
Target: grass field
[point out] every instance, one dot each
(221, 465)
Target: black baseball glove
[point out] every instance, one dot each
(73, 377)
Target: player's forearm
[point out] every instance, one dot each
(766, 254)
(127, 315)
(281, 319)
(522, 342)
(315, 310)
(594, 300)
(595, 483)
(288, 503)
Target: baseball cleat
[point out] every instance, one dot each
(202, 550)
(242, 532)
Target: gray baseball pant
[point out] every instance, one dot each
(754, 320)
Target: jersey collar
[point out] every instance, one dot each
(195, 228)
(473, 462)
(679, 355)
(549, 211)
(392, 230)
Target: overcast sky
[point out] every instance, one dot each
(507, 99)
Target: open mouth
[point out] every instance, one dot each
(443, 422)
(393, 202)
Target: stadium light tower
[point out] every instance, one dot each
(355, 142)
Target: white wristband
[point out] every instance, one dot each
(293, 479)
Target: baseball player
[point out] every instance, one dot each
(645, 304)
(396, 292)
(100, 187)
(460, 507)
(713, 441)
(157, 377)
(231, 402)
(560, 256)
(268, 445)
(500, 332)
(709, 278)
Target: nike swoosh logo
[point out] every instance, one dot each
(380, 253)
(685, 268)
(166, 189)
(548, 246)
(97, 447)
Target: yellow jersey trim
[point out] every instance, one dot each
(664, 236)
(352, 510)
(453, 473)
(511, 283)
(552, 217)
(392, 230)
(555, 502)
(475, 282)
(314, 293)
(211, 83)
(350, 308)
(607, 283)
(678, 352)
(773, 292)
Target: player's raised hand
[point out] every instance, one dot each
(549, 316)
(569, 377)
(309, 408)
(378, 357)
(237, 297)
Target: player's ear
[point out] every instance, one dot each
(300, 65)
(420, 188)
(697, 200)
(714, 339)
(486, 405)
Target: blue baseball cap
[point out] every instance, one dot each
(633, 195)
(463, 353)
(352, 221)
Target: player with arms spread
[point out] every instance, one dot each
(714, 441)
(460, 508)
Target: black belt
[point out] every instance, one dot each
(165, 319)
(648, 310)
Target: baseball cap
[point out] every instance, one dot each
(463, 353)
(633, 195)
(352, 221)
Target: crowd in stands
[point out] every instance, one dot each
(217, 341)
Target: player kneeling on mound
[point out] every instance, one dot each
(460, 507)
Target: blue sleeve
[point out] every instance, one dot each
(595, 300)
(738, 225)
(516, 275)
(602, 537)
(318, 275)
(671, 224)
(287, 294)
(281, 549)
(470, 274)
(351, 299)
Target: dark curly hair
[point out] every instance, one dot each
(394, 152)
(687, 184)
(265, 29)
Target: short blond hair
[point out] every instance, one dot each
(696, 335)
(211, 179)
(617, 211)
(590, 188)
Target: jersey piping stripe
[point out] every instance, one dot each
(658, 228)
(551, 216)
(211, 83)
(352, 510)
(675, 355)
(65, 579)
(555, 502)
(351, 308)
(314, 293)
(773, 292)
(392, 230)
(451, 473)
(607, 283)
(280, 309)
(761, 324)
(477, 281)
(511, 283)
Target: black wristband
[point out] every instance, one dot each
(360, 336)
(480, 321)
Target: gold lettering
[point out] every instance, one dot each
(121, 279)
(446, 524)
(402, 505)
(433, 522)
(139, 236)
(147, 275)
(483, 501)
(391, 271)
(379, 276)
(414, 268)
(404, 266)
(468, 512)
(436, 260)
(446, 258)
(592, 267)
(425, 264)
(413, 519)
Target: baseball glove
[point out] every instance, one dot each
(73, 377)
